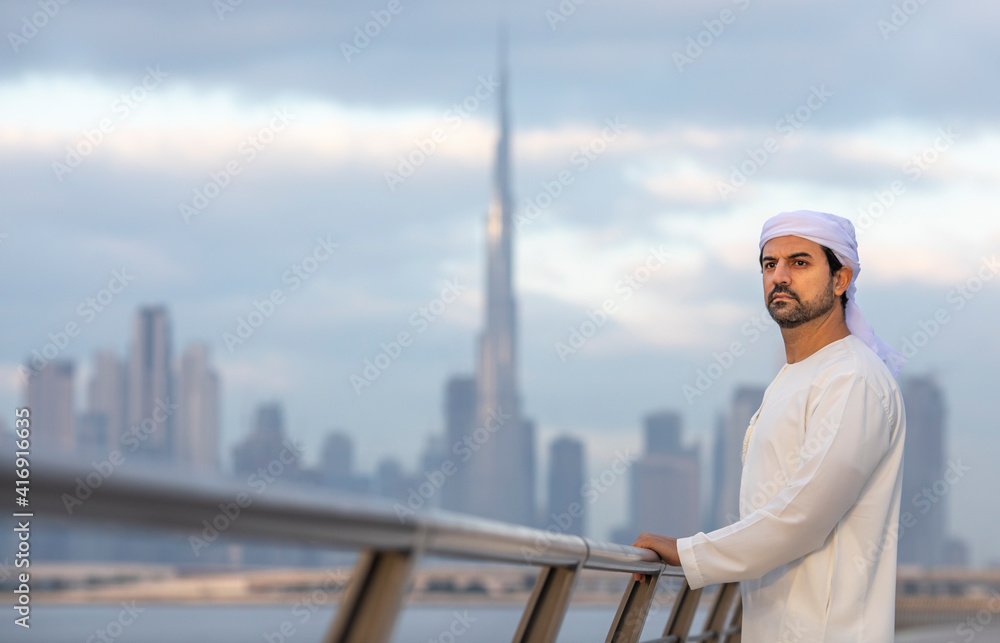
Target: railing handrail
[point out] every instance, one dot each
(163, 497)
(391, 538)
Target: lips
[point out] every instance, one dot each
(780, 297)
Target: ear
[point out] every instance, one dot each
(843, 280)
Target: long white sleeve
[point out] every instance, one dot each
(847, 434)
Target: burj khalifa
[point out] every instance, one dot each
(501, 474)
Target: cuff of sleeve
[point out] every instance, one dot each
(689, 563)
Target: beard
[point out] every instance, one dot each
(790, 314)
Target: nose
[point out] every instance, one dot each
(781, 274)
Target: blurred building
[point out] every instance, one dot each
(49, 398)
(92, 433)
(336, 464)
(391, 481)
(566, 508)
(263, 448)
(665, 494)
(501, 478)
(925, 493)
(197, 424)
(956, 553)
(728, 460)
(150, 384)
(106, 393)
(460, 420)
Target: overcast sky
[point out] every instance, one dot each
(646, 110)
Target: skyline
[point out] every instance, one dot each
(903, 140)
(668, 454)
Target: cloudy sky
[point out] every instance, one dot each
(214, 151)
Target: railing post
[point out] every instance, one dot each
(681, 616)
(632, 610)
(543, 615)
(734, 628)
(717, 621)
(371, 603)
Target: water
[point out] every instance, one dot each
(249, 623)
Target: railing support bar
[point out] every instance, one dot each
(734, 628)
(718, 614)
(543, 615)
(632, 610)
(371, 603)
(682, 615)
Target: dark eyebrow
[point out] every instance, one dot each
(791, 256)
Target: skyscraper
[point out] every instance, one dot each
(264, 447)
(460, 420)
(337, 455)
(197, 425)
(566, 476)
(923, 473)
(106, 394)
(663, 433)
(150, 382)
(49, 398)
(500, 485)
(729, 455)
(666, 481)
(92, 433)
(336, 464)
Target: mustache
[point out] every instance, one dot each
(778, 290)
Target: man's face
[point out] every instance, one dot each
(798, 286)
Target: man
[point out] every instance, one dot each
(815, 546)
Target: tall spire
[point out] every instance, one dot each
(501, 484)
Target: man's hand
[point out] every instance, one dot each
(664, 546)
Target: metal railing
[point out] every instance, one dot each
(390, 547)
